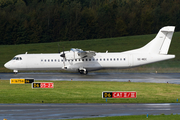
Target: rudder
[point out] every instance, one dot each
(160, 44)
(167, 41)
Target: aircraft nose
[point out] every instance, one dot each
(6, 65)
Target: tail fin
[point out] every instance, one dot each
(160, 44)
(168, 32)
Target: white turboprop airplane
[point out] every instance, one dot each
(83, 61)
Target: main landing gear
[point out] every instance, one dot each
(83, 71)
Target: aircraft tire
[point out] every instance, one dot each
(84, 72)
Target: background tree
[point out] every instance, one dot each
(36, 21)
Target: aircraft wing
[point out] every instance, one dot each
(84, 54)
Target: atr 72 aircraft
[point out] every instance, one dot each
(83, 61)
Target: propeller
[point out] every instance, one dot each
(63, 55)
(58, 48)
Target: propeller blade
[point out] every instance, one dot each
(58, 48)
(63, 54)
(64, 57)
(64, 61)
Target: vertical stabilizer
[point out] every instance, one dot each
(160, 44)
(168, 32)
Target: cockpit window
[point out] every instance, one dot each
(17, 58)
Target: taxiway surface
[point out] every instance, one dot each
(93, 76)
(69, 111)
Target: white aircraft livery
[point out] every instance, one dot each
(81, 61)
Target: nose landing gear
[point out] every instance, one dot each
(15, 71)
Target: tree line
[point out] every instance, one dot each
(38, 21)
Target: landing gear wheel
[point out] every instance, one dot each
(83, 71)
(15, 71)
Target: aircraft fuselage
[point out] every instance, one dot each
(100, 61)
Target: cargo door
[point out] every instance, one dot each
(130, 60)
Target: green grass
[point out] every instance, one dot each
(88, 92)
(136, 117)
(119, 44)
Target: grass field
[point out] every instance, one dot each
(137, 117)
(119, 44)
(87, 92)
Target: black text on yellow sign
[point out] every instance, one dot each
(21, 80)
